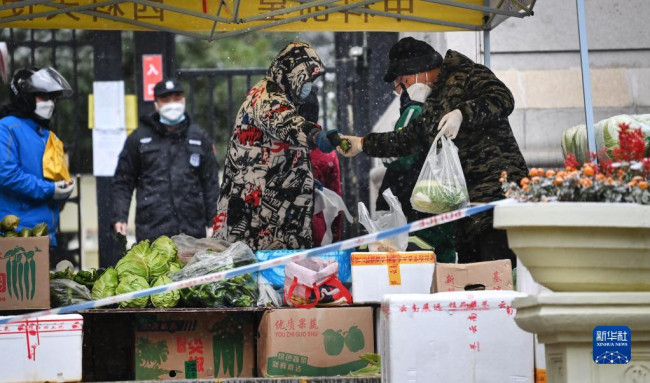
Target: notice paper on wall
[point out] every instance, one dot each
(109, 126)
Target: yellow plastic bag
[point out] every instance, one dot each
(55, 164)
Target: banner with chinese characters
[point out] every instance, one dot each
(204, 15)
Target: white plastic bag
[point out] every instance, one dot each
(330, 204)
(441, 185)
(385, 220)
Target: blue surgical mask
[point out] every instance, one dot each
(305, 90)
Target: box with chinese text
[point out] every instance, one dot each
(315, 342)
(44, 349)
(490, 275)
(467, 337)
(24, 273)
(194, 345)
(526, 284)
(377, 273)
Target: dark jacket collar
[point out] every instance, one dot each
(152, 121)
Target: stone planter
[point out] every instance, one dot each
(564, 322)
(581, 246)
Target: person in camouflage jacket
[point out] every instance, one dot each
(266, 196)
(469, 104)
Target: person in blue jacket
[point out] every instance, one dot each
(24, 133)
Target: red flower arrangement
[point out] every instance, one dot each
(622, 178)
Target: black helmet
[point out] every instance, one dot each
(26, 83)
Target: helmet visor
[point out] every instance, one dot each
(48, 80)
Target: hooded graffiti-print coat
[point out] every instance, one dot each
(486, 144)
(267, 189)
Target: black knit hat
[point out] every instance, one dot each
(410, 56)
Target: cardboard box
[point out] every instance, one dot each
(44, 349)
(460, 336)
(24, 273)
(490, 275)
(377, 273)
(314, 342)
(194, 345)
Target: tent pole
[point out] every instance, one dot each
(486, 48)
(586, 80)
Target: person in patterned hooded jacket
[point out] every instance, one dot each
(470, 105)
(267, 189)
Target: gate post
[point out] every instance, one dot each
(107, 60)
(147, 43)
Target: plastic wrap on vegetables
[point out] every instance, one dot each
(65, 292)
(239, 291)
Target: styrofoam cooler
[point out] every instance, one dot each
(526, 284)
(48, 348)
(460, 336)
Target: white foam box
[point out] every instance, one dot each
(526, 284)
(47, 348)
(377, 273)
(459, 336)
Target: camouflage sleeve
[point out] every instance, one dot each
(397, 143)
(282, 121)
(489, 98)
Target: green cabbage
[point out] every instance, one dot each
(157, 263)
(431, 196)
(129, 284)
(132, 265)
(106, 284)
(166, 247)
(174, 267)
(167, 299)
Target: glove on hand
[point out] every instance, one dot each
(450, 124)
(322, 141)
(62, 189)
(318, 185)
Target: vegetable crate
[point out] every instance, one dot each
(42, 349)
(24, 273)
(169, 344)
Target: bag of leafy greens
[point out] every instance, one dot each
(441, 185)
(239, 291)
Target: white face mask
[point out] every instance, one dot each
(172, 113)
(44, 109)
(419, 92)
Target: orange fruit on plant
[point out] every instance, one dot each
(524, 181)
(550, 173)
(643, 185)
(588, 170)
(558, 181)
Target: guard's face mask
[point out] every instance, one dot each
(44, 109)
(172, 113)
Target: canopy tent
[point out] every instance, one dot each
(214, 19)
